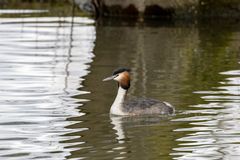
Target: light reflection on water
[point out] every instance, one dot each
(19, 11)
(215, 134)
(43, 62)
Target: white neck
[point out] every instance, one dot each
(117, 106)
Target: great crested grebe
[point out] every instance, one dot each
(142, 106)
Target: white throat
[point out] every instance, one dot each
(117, 106)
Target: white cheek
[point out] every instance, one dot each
(118, 78)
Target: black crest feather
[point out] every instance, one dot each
(120, 70)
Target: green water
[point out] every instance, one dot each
(54, 104)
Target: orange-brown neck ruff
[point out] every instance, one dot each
(125, 80)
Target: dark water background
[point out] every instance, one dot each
(53, 104)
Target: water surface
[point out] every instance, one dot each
(43, 62)
(54, 104)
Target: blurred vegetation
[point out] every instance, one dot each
(200, 8)
(178, 9)
(219, 8)
(54, 7)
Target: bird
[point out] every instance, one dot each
(140, 106)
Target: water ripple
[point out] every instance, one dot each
(42, 61)
(214, 134)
